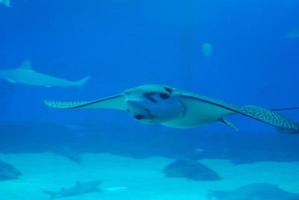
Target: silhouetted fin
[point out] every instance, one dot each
(116, 102)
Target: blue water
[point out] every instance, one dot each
(126, 43)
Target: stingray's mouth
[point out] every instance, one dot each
(139, 112)
(139, 117)
(144, 116)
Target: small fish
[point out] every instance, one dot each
(26, 75)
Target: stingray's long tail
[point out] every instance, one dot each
(271, 117)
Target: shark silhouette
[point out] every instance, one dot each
(26, 75)
(81, 188)
(78, 189)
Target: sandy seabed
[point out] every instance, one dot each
(142, 178)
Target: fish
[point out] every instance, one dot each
(171, 107)
(26, 75)
(5, 3)
(78, 189)
(254, 191)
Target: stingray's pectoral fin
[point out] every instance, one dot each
(229, 124)
(270, 117)
(113, 102)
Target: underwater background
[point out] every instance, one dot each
(237, 51)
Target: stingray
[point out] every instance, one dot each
(171, 107)
(255, 191)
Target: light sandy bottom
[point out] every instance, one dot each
(142, 177)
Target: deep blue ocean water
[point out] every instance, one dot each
(125, 43)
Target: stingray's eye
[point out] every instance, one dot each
(164, 95)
